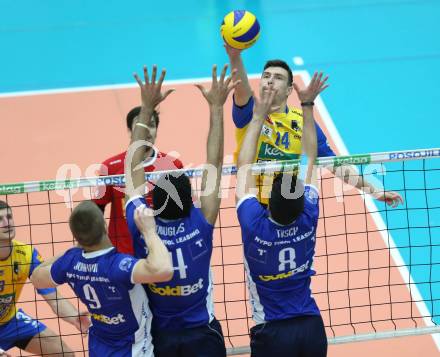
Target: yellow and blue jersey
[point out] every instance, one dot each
(280, 139)
(14, 272)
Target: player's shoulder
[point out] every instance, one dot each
(172, 160)
(22, 249)
(295, 111)
(115, 162)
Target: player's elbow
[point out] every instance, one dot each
(36, 279)
(163, 275)
(164, 271)
(159, 271)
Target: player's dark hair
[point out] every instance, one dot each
(284, 210)
(282, 64)
(168, 190)
(132, 114)
(87, 224)
(4, 205)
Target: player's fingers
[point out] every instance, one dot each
(223, 73)
(323, 88)
(162, 77)
(233, 85)
(138, 80)
(167, 93)
(146, 76)
(295, 86)
(229, 79)
(214, 74)
(201, 89)
(153, 75)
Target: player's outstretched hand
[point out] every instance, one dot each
(220, 88)
(144, 219)
(231, 51)
(391, 198)
(151, 91)
(263, 105)
(316, 86)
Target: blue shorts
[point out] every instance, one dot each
(302, 336)
(99, 347)
(202, 341)
(19, 331)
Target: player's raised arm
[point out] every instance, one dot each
(152, 96)
(157, 266)
(243, 90)
(216, 98)
(245, 179)
(307, 97)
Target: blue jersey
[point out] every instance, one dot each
(186, 301)
(278, 259)
(103, 282)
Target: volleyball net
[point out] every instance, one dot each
(377, 267)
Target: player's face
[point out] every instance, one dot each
(152, 131)
(278, 78)
(7, 229)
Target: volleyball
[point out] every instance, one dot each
(240, 29)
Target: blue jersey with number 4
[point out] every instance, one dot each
(103, 282)
(278, 259)
(185, 301)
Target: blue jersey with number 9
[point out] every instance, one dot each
(278, 259)
(185, 301)
(103, 282)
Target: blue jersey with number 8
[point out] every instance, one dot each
(185, 301)
(278, 259)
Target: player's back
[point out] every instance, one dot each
(102, 280)
(278, 259)
(186, 300)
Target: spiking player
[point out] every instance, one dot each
(17, 262)
(280, 138)
(279, 245)
(184, 324)
(108, 282)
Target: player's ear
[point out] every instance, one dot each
(289, 90)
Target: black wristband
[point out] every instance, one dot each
(307, 104)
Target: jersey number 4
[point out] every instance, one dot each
(181, 266)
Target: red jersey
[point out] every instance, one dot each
(117, 228)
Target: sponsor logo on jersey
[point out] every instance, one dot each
(294, 125)
(179, 290)
(270, 152)
(115, 320)
(19, 251)
(285, 275)
(16, 268)
(125, 264)
(5, 303)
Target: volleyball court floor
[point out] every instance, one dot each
(352, 257)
